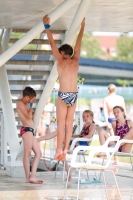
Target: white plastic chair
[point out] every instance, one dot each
(123, 154)
(89, 165)
(75, 140)
(70, 151)
(82, 152)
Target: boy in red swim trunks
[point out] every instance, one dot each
(25, 113)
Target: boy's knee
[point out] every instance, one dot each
(27, 154)
(39, 154)
(61, 125)
(69, 123)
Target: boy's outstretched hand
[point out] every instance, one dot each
(46, 19)
(83, 22)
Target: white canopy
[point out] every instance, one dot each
(103, 15)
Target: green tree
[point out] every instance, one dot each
(124, 82)
(124, 49)
(90, 47)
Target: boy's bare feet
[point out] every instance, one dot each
(27, 181)
(62, 156)
(115, 170)
(115, 163)
(58, 154)
(101, 155)
(35, 181)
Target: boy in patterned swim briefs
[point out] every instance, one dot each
(25, 113)
(67, 67)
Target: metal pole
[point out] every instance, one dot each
(30, 35)
(2, 140)
(5, 144)
(8, 113)
(82, 9)
(6, 39)
(1, 35)
(3, 155)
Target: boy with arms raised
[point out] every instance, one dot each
(25, 113)
(67, 67)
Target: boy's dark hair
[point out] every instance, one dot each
(67, 49)
(30, 92)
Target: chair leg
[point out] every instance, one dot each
(131, 162)
(95, 175)
(63, 177)
(66, 183)
(78, 184)
(86, 170)
(116, 184)
(101, 171)
(56, 169)
(105, 184)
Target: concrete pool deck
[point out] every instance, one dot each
(17, 189)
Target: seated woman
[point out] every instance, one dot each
(122, 128)
(87, 132)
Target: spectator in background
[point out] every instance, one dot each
(102, 119)
(109, 102)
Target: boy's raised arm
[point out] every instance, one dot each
(46, 21)
(78, 41)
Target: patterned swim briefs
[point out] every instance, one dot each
(69, 98)
(26, 129)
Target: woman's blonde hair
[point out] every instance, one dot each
(122, 109)
(90, 113)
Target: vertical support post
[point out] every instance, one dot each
(6, 40)
(1, 35)
(3, 159)
(8, 113)
(81, 120)
(52, 114)
(2, 140)
(77, 122)
(5, 144)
